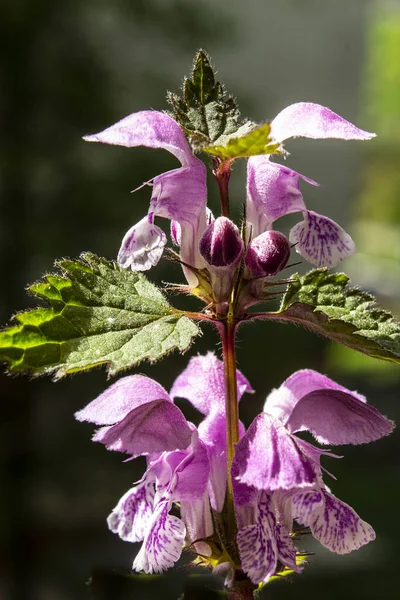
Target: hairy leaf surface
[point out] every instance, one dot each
(324, 303)
(204, 110)
(98, 313)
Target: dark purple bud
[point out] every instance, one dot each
(221, 244)
(267, 254)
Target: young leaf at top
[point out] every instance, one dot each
(247, 141)
(204, 111)
(98, 314)
(324, 303)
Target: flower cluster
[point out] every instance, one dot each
(238, 492)
(276, 475)
(273, 190)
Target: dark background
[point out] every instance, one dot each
(75, 67)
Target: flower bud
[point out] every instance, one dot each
(222, 248)
(221, 244)
(267, 254)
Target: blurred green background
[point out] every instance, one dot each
(75, 67)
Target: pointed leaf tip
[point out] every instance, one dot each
(204, 110)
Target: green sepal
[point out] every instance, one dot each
(98, 314)
(323, 302)
(204, 110)
(247, 141)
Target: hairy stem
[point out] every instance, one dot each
(232, 418)
(231, 400)
(222, 174)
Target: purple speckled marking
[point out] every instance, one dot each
(163, 542)
(333, 522)
(338, 527)
(321, 241)
(133, 513)
(261, 545)
(142, 246)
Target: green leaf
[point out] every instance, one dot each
(98, 314)
(247, 141)
(204, 110)
(324, 303)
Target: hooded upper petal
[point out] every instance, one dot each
(149, 128)
(153, 427)
(333, 414)
(281, 401)
(273, 190)
(203, 384)
(306, 119)
(180, 194)
(336, 417)
(120, 398)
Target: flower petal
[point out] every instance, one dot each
(212, 431)
(133, 513)
(258, 552)
(273, 190)
(262, 544)
(268, 458)
(192, 474)
(153, 427)
(306, 119)
(119, 399)
(142, 246)
(285, 548)
(203, 384)
(181, 194)
(196, 514)
(163, 542)
(304, 505)
(147, 128)
(281, 402)
(336, 417)
(321, 241)
(333, 523)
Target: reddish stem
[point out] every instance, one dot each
(222, 174)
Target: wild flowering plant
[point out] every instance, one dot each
(238, 499)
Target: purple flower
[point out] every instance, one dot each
(140, 418)
(179, 195)
(273, 190)
(185, 465)
(278, 475)
(202, 383)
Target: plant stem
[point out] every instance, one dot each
(222, 174)
(227, 330)
(231, 400)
